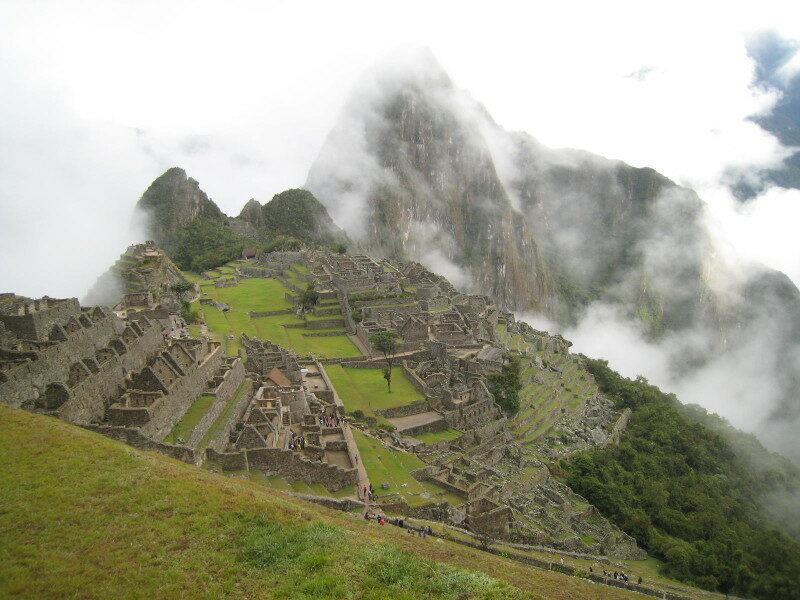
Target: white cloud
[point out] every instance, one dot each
(99, 98)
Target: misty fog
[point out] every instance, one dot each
(93, 110)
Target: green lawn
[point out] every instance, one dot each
(183, 429)
(264, 294)
(301, 268)
(394, 467)
(166, 529)
(439, 436)
(365, 389)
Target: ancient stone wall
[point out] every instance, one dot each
(325, 323)
(406, 410)
(183, 392)
(39, 316)
(620, 425)
(233, 378)
(133, 437)
(292, 465)
(270, 313)
(229, 461)
(89, 390)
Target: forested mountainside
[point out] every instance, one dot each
(196, 234)
(698, 496)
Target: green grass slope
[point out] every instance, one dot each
(82, 516)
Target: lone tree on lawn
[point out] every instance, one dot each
(385, 342)
(309, 298)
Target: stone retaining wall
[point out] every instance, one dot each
(416, 407)
(269, 313)
(343, 504)
(326, 323)
(134, 437)
(289, 464)
(233, 378)
(620, 425)
(325, 333)
(229, 461)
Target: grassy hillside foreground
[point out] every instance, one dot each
(82, 516)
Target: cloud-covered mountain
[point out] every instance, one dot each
(416, 168)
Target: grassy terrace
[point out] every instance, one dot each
(183, 429)
(365, 389)
(165, 529)
(446, 435)
(394, 467)
(260, 294)
(317, 489)
(224, 416)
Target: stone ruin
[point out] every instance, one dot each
(292, 400)
(126, 378)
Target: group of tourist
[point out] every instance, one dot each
(619, 576)
(296, 442)
(369, 493)
(422, 532)
(329, 420)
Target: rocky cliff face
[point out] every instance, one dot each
(173, 201)
(420, 184)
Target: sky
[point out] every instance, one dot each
(99, 98)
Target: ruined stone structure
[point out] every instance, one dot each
(291, 425)
(123, 377)
(271, 411)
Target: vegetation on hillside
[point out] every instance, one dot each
(205, 243)
(105, 520)
(292, 219)
(505, 386)
(679, 488)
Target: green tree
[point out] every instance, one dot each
(189, 315)
(681, 489)
(309, 298)
(284, 243)
(182, 287)
(505, 386)
(204, 244)
(385, 342)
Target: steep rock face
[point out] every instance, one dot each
(173, 201)
(416, 168)
(615, 233)
(421, 185)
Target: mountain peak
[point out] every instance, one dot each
(173, 200)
